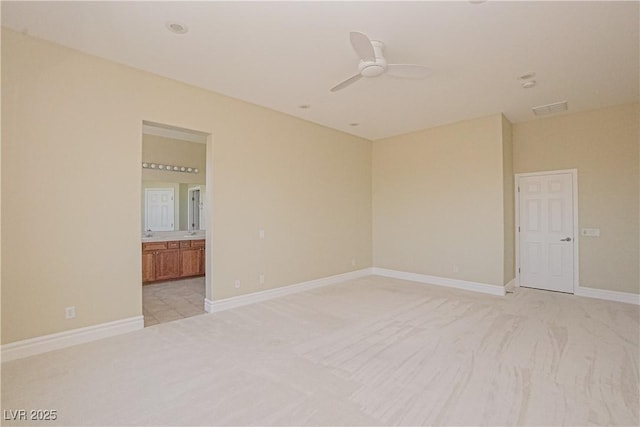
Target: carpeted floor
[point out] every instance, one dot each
(371, 351)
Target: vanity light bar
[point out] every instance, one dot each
(169, 168)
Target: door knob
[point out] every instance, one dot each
(567, 239)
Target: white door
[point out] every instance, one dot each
(159, 209)
(546, 231)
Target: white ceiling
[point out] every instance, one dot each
(285, 54)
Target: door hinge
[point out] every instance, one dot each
(518, 229)
(518, 189)
(518, 269)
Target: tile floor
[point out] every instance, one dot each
(168, 301)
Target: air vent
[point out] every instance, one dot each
(556, 107)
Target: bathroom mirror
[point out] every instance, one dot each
(172, 198)
(169, 206)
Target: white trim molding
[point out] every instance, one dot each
(213, 306)
(441, 281)
(45, 343)
(618, 296)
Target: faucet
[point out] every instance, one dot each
(148, 233)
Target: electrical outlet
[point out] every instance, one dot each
(353, 262)
(262, 279)
(261, 234)
(237, 284)
(69, 312)
(456, 269)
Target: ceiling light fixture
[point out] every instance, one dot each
(176, 27)
(304, 106)
(527, 76)
(354, 124)
(169, 168)
(529, 84)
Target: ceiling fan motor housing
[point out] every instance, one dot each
(372, 69)
(378, 65)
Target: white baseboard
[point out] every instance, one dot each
(233, 302)
(37, 345)
(608, 295)
(511, 285)
(441, 281)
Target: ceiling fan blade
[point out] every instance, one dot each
(408, 71)
(346, 83)
(362, 45)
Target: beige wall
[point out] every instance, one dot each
(438, 201)
(159, 149)
(71, 137)
(183, 207)
(603, 146)
(439, 198)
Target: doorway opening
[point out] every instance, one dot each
(174, 222)
(547, 230)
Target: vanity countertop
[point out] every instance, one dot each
(172, 237)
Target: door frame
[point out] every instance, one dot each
(576, 228)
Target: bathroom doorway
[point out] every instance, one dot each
(173, 222)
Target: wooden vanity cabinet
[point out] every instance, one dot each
(148, 266)
(168, 264)
(201, 265)
(172, 260)
(192, 258)
(149, 260)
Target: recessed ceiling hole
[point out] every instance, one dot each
(176, 27)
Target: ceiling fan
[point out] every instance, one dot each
(373, 64)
